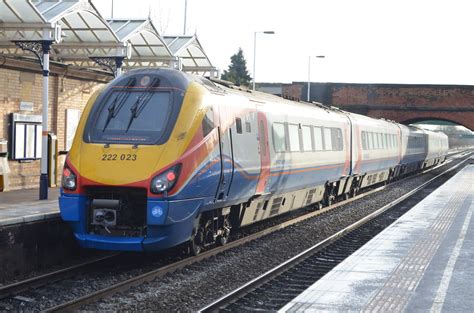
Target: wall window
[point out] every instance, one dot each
(279, 137)
(307, 139)
(294, 136)
(327, 139)
(318, 139)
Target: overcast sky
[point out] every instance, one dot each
(378, 41)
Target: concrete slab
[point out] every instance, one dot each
(422, 262)
(22, 206)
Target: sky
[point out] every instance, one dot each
(364, 41)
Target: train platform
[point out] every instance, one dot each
(421, 263)
(21, 206)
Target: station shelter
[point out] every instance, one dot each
(53, 56)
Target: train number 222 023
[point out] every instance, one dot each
(118, 157)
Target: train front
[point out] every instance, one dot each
(129, 159)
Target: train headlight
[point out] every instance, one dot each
(69, 181)
(166, 180)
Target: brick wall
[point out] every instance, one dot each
(64, 93)
(440, 96)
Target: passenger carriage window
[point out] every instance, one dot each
(379, 140)
(327, 139)
(307, 139)
(318, 139)
(238, 125)
(279, 137)
(386, 142)
(208, 122)
(364, 140)
(294, 136)
(370, 141)
(336, 137)
(248, 127)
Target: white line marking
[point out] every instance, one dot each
(448, 271)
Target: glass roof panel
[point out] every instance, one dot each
(143, 51)
(75, 21)
(137, 40)
(92, 20)
(86, 36)
(24, 9)
(52, 9)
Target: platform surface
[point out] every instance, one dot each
(21, 206)
(424, 262)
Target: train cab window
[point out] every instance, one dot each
(208, 122)
(327, 139)
(318, 139)
(248, 127)
(307, 138)
(294, 136)
(336, 137)
(238, 125)
(279, 137)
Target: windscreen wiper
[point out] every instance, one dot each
(142, 101)
(121, 98)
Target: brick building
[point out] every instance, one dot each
(20, 82)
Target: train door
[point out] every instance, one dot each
(226, 154)
(264, 153)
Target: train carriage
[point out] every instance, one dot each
(162, 158)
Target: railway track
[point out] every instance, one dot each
(275, 288)
(161, 271)
(16, 288)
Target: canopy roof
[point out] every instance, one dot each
(81, 34)
(148, 47)
(191, 53)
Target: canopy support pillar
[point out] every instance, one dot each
(41, 49)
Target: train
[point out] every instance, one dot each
(163, 158)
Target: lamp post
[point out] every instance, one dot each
(309, 74)
(268, 32)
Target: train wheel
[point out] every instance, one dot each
(221, 240)
(195, 244)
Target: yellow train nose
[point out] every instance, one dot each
(118, 164)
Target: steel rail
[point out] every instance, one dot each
(44, 279)
(233, 296)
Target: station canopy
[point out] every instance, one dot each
(189, 50)
(83, 37)
(148, 47)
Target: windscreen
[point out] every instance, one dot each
(132, 114)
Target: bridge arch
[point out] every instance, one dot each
(465, 119)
